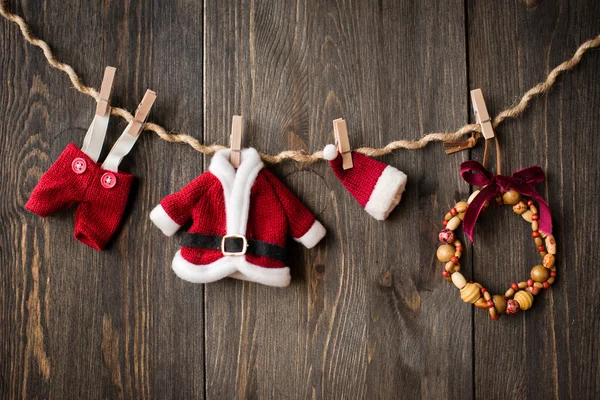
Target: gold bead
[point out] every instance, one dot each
(511, 197)
(445, 252)
(540, 274)
(499, 303)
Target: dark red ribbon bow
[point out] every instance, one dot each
(521, 181)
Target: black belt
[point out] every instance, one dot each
(235, 245)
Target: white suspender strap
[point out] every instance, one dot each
(128, 138)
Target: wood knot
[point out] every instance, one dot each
(320, 268)
(386, 279)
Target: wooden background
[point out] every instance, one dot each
(368, 314)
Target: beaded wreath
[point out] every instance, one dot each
(517, 191)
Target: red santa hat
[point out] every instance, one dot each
(376, 186)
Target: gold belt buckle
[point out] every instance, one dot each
(234, 253)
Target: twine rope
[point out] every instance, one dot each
(301, 156)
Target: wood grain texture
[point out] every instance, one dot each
(548, 351)
(368, 314)
(362, 308)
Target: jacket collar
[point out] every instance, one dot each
(236, 185)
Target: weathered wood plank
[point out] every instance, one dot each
(76, 322)
(362, 316)
(551, 350)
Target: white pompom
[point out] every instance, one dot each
(330, 152)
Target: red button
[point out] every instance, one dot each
(79, 165)
(108, 180)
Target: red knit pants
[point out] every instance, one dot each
(101, 195)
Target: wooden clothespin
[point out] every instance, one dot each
(481, 114)
(141, 114)
(342, 142)
(236, 140)
(103, 107)
(482, 118)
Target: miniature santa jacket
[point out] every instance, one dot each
(249, 209)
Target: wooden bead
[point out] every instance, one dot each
(511, 197)
(470, 293)
(533, 209)
(539, 273)
(449, 266)
(445, 253)
(493, 312)
(535, 225)
(525, 299)
(458, 254)
(499, 303)
(459, 280)
(520, 207)
(512, 307)
(550, 244)
(538, 241)
(551, 280)
(456, 268)
(446, 236)
(548, 261)
(453, 223)
(527, 216)
(472, 196)
(461, 207)
(522, 285)
(481, 303)
(538, 285)
(487, 296)
(448, 216)
(509, 293)
(533, 290)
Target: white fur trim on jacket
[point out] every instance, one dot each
(312, 236)
(234, 267)
(388, 190)
(162, 220)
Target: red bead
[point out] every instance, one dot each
(444, 222)
(541, 248)
(535, 234)
(483, 290)
(514, 286)
(490, 304)
(445, 273)
(470, 281)
(553, 273)
(453, 211)
(454, 260)
(546, 285)
(496, 317)
(530, 282)
(499, 203)
(459, 248)
(530, 203)
(535, 217)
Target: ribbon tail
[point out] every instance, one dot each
(475, 208)
(545, 221)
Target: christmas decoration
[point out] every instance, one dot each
(100, 191)
(240, 223)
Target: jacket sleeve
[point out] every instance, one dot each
(176, 209)
(304, 227)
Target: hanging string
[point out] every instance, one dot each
(300, 156)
